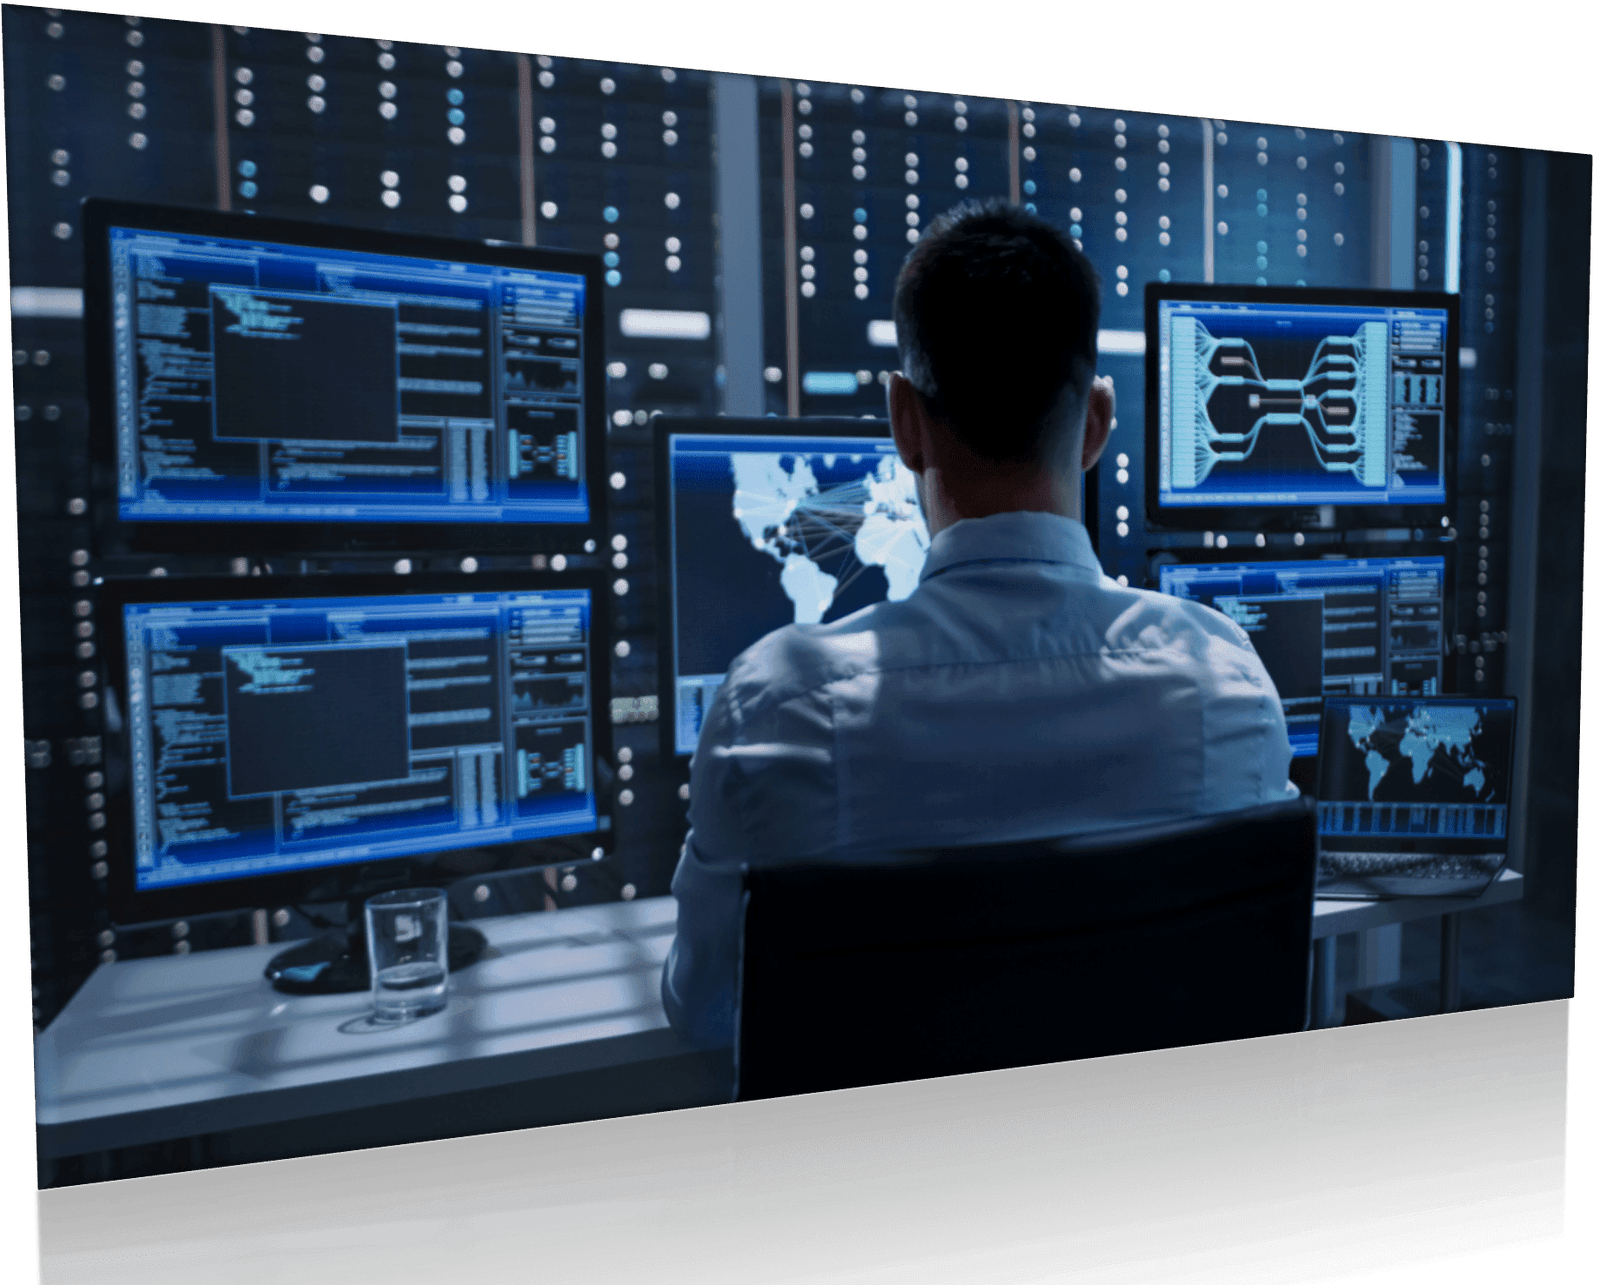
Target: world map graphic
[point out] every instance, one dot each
(823, 537)
(1434, 744)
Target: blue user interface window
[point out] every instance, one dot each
(273, 735)
(774, 531)
(257, 381)
(1289, 404)
(1335, 627)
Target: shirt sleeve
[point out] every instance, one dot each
(700, 982)
(761, 789)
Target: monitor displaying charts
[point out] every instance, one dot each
(1268, 401)
(767, 523)
(269, 372)
(1344, 626)
(277, 734)
(1414, 794)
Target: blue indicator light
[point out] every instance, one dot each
(613, 278)
(829, 383)
(609, 214)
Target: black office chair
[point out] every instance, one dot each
(947, 961)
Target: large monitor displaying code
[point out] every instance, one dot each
(1346, 626)
(767, 530)
(277, 381)
(1267, 404)
(272, 735)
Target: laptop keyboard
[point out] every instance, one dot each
(1409, 865)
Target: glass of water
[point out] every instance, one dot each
(408, 934)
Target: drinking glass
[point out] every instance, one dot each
(407, 938)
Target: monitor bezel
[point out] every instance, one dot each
(129, 905)
(1284, 518)
(666, 428)
(133, 536)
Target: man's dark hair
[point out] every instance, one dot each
(997, 314)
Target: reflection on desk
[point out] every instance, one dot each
(561, 1020)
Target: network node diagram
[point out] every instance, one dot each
(1341, 401)
(1263, 403)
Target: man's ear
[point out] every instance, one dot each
(1102, 410)
(908, 422)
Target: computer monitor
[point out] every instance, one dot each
(286, 740)
(766, 523)
(266, 384)
(1414, 795)
(1272, 408)
(1335, 626)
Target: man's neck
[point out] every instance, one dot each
(975, 488)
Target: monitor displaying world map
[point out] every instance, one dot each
(774, 530)
(1416, 771)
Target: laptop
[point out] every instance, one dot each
(1413, 795)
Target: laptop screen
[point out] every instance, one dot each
(1412, 779)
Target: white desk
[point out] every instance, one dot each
(560, 1020)
(1332, 919)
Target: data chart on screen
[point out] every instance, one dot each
(275, 735)
(1274, 404)
(266, 381)
(1331, 627)
(774, 531)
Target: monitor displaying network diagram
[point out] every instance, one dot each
(278, 380)
(1414, 794)
(273, 735)
(770, 529)
(1331, 627)
(1285, 402)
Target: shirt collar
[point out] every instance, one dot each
(1018, 536)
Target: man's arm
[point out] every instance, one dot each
(700, 982)
(761, 789)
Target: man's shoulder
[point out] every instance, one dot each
(796, 659)
(1141, 611)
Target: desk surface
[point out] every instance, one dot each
(190, 1044)
(1332, 918)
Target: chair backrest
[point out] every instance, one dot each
(947, 961)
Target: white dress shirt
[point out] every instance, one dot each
(1017, 693)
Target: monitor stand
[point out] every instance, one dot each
(335, 962)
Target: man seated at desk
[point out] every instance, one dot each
(1018, 693)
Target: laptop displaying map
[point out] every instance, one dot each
(1414, 794)
(771, 522)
